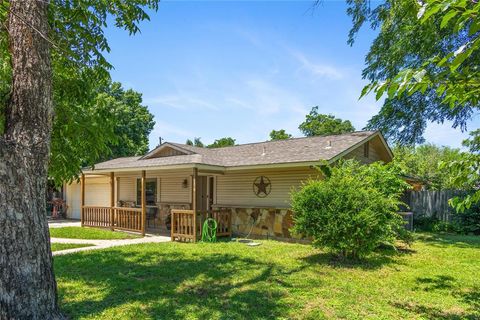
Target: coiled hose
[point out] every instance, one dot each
(209, 230)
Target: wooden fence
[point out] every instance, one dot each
(187, 226)
(432, 203)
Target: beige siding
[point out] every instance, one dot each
(126, 188)
(376, 152)
(171, 189)
(236, 188)
(170, 186)
(97, 193)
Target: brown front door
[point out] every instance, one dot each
(202, 203)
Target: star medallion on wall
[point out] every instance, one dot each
(262, 186)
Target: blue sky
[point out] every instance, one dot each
(212, 69)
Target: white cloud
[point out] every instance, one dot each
(317, 69)
(168, 132)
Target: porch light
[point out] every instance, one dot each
(185, 183)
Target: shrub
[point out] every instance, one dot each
(470, 220)
(352, 210)
(466, 222)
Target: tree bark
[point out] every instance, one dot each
(27, 283)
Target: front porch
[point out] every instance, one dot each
(148, 210)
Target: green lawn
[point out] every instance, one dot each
(437, 279)
(88, 233)
(65, 246)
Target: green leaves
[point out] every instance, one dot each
(316, 124)
(447, 17)
(352, 210)
(222, 142)
(425, 54)
(279, 135)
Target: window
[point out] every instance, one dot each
(366, 149)
(150, 191)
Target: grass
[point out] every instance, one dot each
(65, 246)
(89, 233)
(436, 279)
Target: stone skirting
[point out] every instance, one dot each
(263, 222)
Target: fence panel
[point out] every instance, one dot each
(432, 203)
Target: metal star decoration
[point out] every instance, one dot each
(262, 186)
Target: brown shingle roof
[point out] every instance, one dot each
(309, 149)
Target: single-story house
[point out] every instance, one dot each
(252, 182)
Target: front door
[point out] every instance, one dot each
(205, 186)
(202, 203)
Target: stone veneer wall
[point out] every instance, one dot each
(267, 222)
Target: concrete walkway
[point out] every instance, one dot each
(98, 244)
(63, 223)
(103, 244)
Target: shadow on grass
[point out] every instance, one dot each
(445, 239)
(428, 312)
(470, 297)
(441, 282)
(378, 259)
(171, 285)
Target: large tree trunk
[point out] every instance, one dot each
(27, 282)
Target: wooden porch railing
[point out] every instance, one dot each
(94, 216)
(186, 226)
(129, 219)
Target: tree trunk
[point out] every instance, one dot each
(27, 282)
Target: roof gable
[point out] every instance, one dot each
(166, 150)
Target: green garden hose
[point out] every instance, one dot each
(209, 230)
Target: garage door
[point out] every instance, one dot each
(96, 194)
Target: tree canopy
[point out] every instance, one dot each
(424, 162)
(317, 124)
(425, 59)
(222, 142)
(111, 122)
(95, 119)
(279, 135)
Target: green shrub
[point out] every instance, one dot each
(466, 222)
(470, 220)
(352, 210)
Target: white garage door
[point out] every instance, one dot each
(97, 193)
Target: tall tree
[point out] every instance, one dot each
(111, 123)
(425, 59)
(133, 122)
(317, 124)
(222, 142)
(279, 135)
(31, 71)
(27, 279)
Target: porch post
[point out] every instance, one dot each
(82, 198)
(194, 202)
(112, 200)
(144, 215)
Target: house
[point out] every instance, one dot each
(251, 183)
